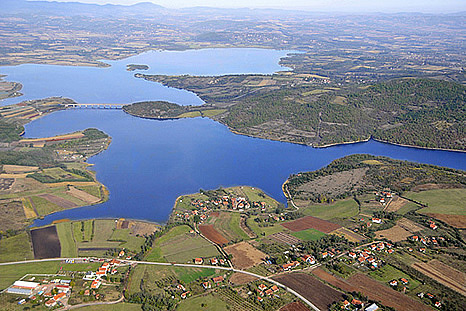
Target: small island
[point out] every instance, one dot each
(133, 67)
(163, 110)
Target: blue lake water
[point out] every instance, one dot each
(149, 163)
(117, 86)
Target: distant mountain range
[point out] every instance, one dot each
(142, 8)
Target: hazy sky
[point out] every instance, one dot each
(318, 5)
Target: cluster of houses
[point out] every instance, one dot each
(330, 253)
(106, 268)
(357, 304)
(367, 256)
(384, 197)
(53, 292)
(430, 296)
(213, 261)
(432, 225)
(401, 284)
(430, 240)
(264, 291)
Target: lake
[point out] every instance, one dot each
(150, 163)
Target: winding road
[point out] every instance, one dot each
(310, 304)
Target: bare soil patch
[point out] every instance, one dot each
(45, 243)
(409, 225)
(457, 221)
(12, 215)
(214, 214)
(394, 234)
(444, 274)
(83, 196)
(333, 280)
(311, 222)
(285, 238)
(213, 235)
(350, 235)
(312, 289)
(395, 204)
(295, 306)
(387, 296)
(433, 186)
(241, 278)
(15, 169)
(142, 228)
(245, 255)
(335, 184)
(58, 201)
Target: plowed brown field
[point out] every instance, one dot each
(213, 235)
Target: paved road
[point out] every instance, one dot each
(310, 304)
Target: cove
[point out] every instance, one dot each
(116, 85)
(150, 163)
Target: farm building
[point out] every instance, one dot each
(22, 288)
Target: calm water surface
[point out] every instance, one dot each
(149, 163)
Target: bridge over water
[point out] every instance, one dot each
(94, 106)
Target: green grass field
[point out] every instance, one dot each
(441, 201)
(179, 246)
(12, 273)
(205, 303)
(188, 275)
(388, 273)
(235, 227)
(92, 190)
(340, 209)
(17, 247)
(263, 230)
(67, 242)
(44, 207)
(408, 207)
(308, 235)
(151, 275)
(133, 243)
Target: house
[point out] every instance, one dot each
(59, 296)
(308, 259)
(422, 250)
(206, 285)
(95, 284)
(376, 220)
(430, 296)
(260, 299)
(274, 288)
(433, 226)
(87, 292)
(352, 255)
(372, 307)
(262, 287)
(393, 283)
(357, 302)
(218, 279)
(214, 261)
(404, 281)
(179, 286)
(268, 292)
(50, 303)
(438, 304)
(184, 295)
(346, 304)
(198, 261)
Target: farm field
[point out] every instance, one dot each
(17, 247)
(12, 273)
(295, 306)
(310, 222)
(212, 234)
(208, 302)
(67, 242)
(45, 242)
(348, 234)
(441, 201)
(443, 274)
(388, 273)
(244, 255)
(308, 235)
(394, 234)
(387, 296)
(228, 225)
(312, 289)
(266, 231)
(115, 307)
(285, 238)
(179, 245)
(340, 209)
(188, 275)
(333, 280)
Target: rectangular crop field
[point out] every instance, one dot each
(309, 222)
(340, 209)
(308, 235)
(67, 242)
(441, 201)
(46, 243)
(15, 248)
(209, 302)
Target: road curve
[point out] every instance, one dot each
(310, 304)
